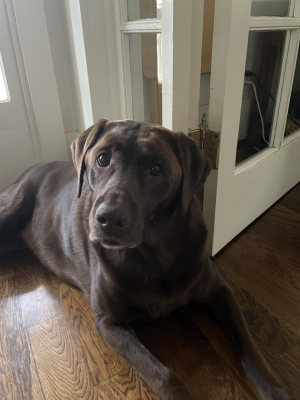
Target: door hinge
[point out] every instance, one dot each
(207, 140)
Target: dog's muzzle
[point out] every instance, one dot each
(118, 223)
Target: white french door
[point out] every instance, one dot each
(248, 38)
(31, 127)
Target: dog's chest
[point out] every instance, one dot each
(154, 307)
(150, 289)
(160, 299)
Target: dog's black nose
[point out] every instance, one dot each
(110, 216)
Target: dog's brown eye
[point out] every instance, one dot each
(156, 170)
(103, 160)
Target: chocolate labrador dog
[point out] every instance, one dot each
(125, 227)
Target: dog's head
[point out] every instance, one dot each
(133, 170)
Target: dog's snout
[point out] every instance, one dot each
(110, 216)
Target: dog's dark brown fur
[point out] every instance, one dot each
(133, 241)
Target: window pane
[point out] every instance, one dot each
(146, 76)
(293, 118)
(4, 94)
(274, 8)
(262, 73)
(142, 9)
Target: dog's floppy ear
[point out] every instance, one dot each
(81, 145)
(195, 169)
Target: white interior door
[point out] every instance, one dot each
(248, 37)
(31, 128)
(17, 148)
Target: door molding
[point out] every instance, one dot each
(33, 55)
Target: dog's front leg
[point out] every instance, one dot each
(165, 383)
(227, 310)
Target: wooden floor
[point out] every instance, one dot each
(49, 349)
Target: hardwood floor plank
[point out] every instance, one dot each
(204, 318)
(102, 362)
(38, 291)
(243, 273)
(18, 377)
(60, 362)
(277, 266)
(265, 328)
(287, 367)
(281, 228)
(125, 385)
(283, 274)
(179, 344)
(292, 199)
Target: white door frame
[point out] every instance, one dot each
(32, 49)
(182, 28)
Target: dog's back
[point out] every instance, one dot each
(18, 201)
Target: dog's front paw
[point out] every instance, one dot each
(273, 393)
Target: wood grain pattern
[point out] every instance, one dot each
(60, 361)
(292, 199)
(263, 325)
(18, 376)
(49, 348)
(37, 289)
(205, 320)
(280, 227)
(179, 344)
(101, 361)
(126, 385)
(286, 367)
(248, 275)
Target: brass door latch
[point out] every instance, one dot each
(207, 140)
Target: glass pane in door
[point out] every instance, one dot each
(146, 76)
(274, 8)
(142, 9)
(293, 117)
(262, 73)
